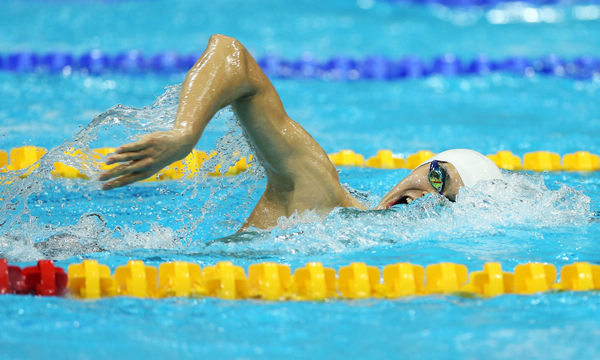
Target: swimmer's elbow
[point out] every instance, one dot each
(222, 52)
(231, 50)
(222, 39)
(228, 54)
(237, 63)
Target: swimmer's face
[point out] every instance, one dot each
(416, 185)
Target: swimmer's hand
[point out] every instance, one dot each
(145, 157)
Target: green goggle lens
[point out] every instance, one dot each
(436, 176)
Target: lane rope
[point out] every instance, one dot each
(23, 160)
(340, 67)
(273, 281)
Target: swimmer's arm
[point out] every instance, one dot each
(215, 81)
(227, 74)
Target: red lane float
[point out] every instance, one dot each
(12, 280)
(5, 285)
(43, 279)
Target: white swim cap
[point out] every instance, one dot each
(471, 165)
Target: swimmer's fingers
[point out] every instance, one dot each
(124, 157)
(133, 147)
(124, 169)
(126, 180)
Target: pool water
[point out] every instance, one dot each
(524, 217)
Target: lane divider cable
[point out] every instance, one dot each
(272, 281)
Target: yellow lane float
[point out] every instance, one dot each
(314, 282)
(27, 157)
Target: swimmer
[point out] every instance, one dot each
(300, 175)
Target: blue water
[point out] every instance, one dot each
(322, 28)
(531, 217)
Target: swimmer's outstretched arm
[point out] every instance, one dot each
(300, 175)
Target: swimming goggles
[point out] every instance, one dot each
(436, 176)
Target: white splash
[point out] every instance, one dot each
(517, 201)
(26, 237)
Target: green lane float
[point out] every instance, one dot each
(26, 158)
(275, 282)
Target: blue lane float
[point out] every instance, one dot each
(374, 67)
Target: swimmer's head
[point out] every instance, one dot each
(444, 173)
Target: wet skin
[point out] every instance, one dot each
(416, 185)
(300, 175)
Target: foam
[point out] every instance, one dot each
(490, 208)
(84, 221)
